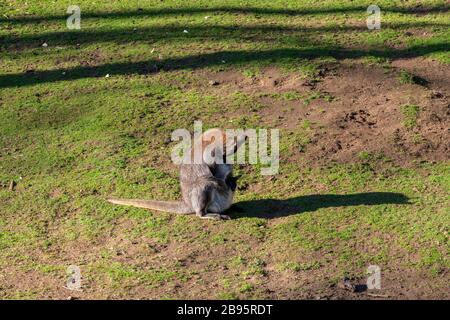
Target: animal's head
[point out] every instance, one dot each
(217, 140)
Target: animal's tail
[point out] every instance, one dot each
(166, 206)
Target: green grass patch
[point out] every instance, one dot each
(410, 115)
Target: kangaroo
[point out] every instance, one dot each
(207, 189)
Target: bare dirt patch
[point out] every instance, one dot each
(355, 108)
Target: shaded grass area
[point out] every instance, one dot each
(327, 9)
(70, 137)
(237, 58)
(230, 36)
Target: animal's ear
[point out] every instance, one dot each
(231, 147)
(237, 177)
(230, 176)
(239, 142)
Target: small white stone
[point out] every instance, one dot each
(107, 76)
(185, 31)
(45, 45)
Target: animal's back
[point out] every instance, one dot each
(191, 176)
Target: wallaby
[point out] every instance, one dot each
(207, 189)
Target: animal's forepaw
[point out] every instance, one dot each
(224, 217)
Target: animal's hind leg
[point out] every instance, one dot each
(201, 208)
(213, 216)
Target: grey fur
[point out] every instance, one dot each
(207, 191)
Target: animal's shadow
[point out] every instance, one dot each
(272, 208)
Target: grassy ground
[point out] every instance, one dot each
(70, 137)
